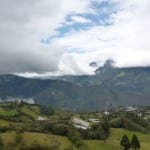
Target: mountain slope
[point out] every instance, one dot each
(57, 93)
(110, 85)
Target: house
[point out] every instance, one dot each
(130, 109)
(40, 118)
(80, 123)
(106, 113)
(94, 120)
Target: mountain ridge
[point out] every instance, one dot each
(118, 86)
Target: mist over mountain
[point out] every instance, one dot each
(118, 86)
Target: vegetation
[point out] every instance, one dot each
(1, 143)
(115, 85)
(125, 142)
(46, 110)
(56, 130)
(135, 144)
(46, 140)
(99, 131)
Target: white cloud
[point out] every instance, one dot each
(22, 26)
(126, 40)
(79, 19)
(24, 23)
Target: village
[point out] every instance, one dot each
(84, 121)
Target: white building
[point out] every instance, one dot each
(130, 109)
(79, 123)
(40, 118)
(94, 120)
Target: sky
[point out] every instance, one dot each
(60, 37)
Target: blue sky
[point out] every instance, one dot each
(102, 11)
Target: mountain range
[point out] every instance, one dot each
(109, 87)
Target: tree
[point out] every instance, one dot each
(75, 137)
(125, 142)
(18, 138)
(1, 143)
(135, 144)
(106, 126)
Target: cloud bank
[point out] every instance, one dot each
(45, 37)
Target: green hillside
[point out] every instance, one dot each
(112, 143)
(26, 126)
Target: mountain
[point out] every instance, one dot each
(123, 86)
(109, 86)
(57, 93)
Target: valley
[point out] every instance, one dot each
(33, 126)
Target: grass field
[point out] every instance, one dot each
(26, 110)
(112, 143)
(10, 113)
(43, 139)
(4, 123)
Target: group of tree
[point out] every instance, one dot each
(75, 137)
(46, 110)
(99, 131)
(134, 144)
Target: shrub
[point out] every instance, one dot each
(135, 144)
(125, 142)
